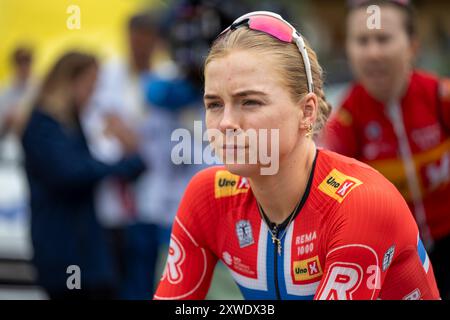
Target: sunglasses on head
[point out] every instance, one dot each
(274, 25)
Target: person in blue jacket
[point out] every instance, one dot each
(62, 177)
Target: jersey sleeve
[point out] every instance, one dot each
(364, 237)
(339, 134)
(190, 262)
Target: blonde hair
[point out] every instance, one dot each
(290, 64)
(55, 96)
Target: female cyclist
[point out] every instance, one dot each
(323, 226)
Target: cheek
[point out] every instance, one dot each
(359, 61)
(287, 128)
(353, 50)
(213, 133)
(400, 56)
(288, 137)
(211, 120)
(356, 57)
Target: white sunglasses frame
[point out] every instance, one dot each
(296, 36)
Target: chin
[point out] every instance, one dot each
(244, 170)
(377, 89)
(374, 91)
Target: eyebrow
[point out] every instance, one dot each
(239, 94)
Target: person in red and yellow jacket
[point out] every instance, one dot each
(397, 120)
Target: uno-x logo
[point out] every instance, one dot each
(227, 184)
(313, 267)
(174, 260)
(346, 186)
(307, 269)
(343, 279)
(338, 185)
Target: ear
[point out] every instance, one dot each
(309, 106)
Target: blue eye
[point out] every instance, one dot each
(213, 105)
(251, 103)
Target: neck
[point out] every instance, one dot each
(398, 92)
(279, 194)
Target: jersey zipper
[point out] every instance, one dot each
(275, 263)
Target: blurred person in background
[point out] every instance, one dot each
(397, 119)
(15, 97)
(62, 176)
(119, 97)
(155, 99)
(174, 93)
(149, 98)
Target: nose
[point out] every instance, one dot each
(230, 120)
(373, 50)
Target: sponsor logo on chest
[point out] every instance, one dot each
(227, 184)
(338, 185)
(428, 137)
(242, 266)
(304, 243)
(307, 269)
(244, 233)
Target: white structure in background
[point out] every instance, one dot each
(15, 243)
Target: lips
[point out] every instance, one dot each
(233, 148)
(375, 72)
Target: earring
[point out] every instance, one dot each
(309, 131)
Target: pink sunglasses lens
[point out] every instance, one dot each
(271, 26)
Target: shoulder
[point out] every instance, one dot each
(368, 206)
(215, 183)
(210, 193)
(40, 124)
(354, 94)
(358, 187)
(427, 84)
(424, 77)
(356, 168)
(204, 179)
(345, 113)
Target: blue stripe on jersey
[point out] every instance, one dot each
(250, 294)
(270, 266)
(270, 294)
(292, 297)
(282, 282)
(422, 252)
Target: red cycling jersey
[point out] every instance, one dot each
(353, 237)
(408, 142)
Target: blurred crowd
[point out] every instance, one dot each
(96, 142)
